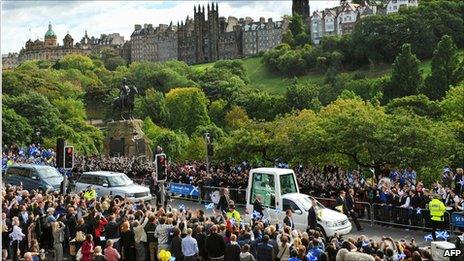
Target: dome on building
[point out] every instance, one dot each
(50, 32)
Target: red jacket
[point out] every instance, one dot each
(100, 227)
(86, 250)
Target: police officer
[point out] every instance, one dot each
(232, 213)
(437, 212)
(90, 194)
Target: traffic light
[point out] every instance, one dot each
(161, 167)
(68, 157)
(60, 144)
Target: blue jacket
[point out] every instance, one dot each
(265, 252)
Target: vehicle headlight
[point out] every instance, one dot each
(130, 195)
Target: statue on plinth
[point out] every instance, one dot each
(124, 103)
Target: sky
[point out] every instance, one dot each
(23, 20)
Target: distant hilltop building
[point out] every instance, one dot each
(394, 5)
(49, 49)
(10, 61)
(205, 38)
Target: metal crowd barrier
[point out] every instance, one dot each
(212, 194)
(407, 217)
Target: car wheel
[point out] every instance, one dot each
(322, 231)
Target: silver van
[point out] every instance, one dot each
(113, 184)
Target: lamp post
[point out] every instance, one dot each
(207, 142)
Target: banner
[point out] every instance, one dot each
(183, 189)
(458, 219)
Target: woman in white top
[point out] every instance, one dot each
(16, 236)
(140, 238)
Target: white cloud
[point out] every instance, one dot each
(22, 20)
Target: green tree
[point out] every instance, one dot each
(111, 59)
(297, 26)
(217, 111)
(444, 64)
(41, 114)
(152, 105)
(406, 79)
(452, 104)
(76, 61)
(16, 128)
(302, 96)
(237, 118)
(187, 108)
(417, 104)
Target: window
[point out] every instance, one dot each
(288, 204)
(287, 184)
(118, 181)
(264, 185)
(24, 172)
(48, 172)
(88, 179)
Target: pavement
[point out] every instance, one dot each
(375, 232)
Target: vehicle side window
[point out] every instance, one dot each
(263, 185)
(101, 181)
(24, 172)
(288, 204)
(88, 179)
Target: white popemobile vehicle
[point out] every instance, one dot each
(279, 191)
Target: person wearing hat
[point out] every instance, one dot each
(90, 194)
(437, 212)
(232, 213)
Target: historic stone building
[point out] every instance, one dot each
(261, 36)
(153, 44)
(206, 38)
(49, 49)
(10, 61)
(338, 20)
(114, 41)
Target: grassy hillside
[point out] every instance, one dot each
(261, 78)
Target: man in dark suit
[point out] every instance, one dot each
(350, 208)
(312, 215)
(223, 204)
(288, 220)
(265, 251)
(340, 203)
(232, 250)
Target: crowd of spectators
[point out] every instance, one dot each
(40, 225)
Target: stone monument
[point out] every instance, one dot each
(125, 136)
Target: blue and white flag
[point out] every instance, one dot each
(209, 206)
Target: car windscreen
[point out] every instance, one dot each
(48, 172)
(119, 181)
(287, 184)
(306, 203)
